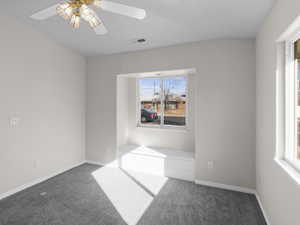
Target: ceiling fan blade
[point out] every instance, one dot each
(46, 13)
(123, 9)
(100, 29)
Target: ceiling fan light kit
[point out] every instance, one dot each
(75, 20)
(75, 10)
(64, 10)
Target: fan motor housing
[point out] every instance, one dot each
(79, 3)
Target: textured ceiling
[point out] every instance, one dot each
(168, 22)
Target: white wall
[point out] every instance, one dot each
(225, 86)
(44, 85)
(122, 109)
(183, 140)
(279, 193)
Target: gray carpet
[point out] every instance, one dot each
(74, 198)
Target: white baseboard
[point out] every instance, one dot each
(226, 186)
(262, 209)
(239, 189)
(37, 181)
(94, 163)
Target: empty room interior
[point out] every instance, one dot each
(138, 112)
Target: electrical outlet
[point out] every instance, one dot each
(210, 165)
(14, 122)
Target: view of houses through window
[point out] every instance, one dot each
(163, 101)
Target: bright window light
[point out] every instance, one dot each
(132, 187)
(128, 198)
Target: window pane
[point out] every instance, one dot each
(150, 101)
(175, 101)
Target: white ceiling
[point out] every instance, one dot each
(168, 22)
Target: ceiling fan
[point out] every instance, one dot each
(75, 10)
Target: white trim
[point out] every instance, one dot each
(168, 73)
(37, 181)
(164, 128)
(226, 186)
(290, 31)
(262, 209)
(290, 128)
(95, 163)
(238, 189)
(280, 101)
(289, 153)
(287, 167)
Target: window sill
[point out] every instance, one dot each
(165, 128)
(292, 172)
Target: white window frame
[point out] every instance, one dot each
(290, 153)
(162, 125)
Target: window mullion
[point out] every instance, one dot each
(162, 97)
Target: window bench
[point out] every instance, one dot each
(158, 161)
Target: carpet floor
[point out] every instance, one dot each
(76, 198)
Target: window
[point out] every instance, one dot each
(292, 103)
(162, 101)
